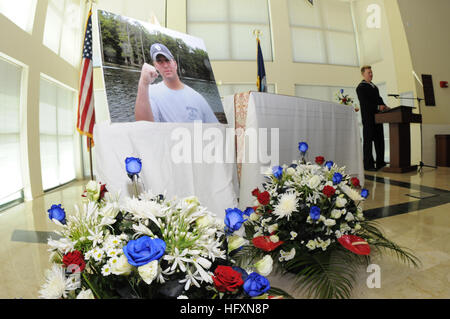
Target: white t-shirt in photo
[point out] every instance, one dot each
(179, 106)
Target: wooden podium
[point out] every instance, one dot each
(399, 119)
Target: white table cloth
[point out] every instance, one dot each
(330, 129)
(214, 184)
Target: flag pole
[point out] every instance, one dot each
(90, 139)
(90, 158)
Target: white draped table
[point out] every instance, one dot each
(330, 129)
(215, 184)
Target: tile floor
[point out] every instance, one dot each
(422, 225)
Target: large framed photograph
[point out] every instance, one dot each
(156, 74)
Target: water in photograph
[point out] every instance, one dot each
(121, 90)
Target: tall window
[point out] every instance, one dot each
(370, 25)
(62, 33)
(323, 33)
(227, 27)
(57, 128)
(10, 170)
(20, 12)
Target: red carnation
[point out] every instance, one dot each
(264, 198)
(355, 182)
(255, 192)
(329, 191)
(227, 279)
(320, 160)
(264, 243)
(74, 260)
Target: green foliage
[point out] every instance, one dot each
(128, 44)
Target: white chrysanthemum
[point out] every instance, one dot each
(111, 209)
(97, 254)
(64, 245)
(286, 256)
(293, 235)
(114, 252)
(106, 270)
(57, 284)
(112, 241)
(286, 206)
(144, 209)
(350, 192)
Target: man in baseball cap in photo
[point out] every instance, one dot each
(158, 48)
(169, 100)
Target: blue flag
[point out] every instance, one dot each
(261, 80)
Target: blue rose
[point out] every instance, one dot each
(141, 251)
(337, 178)
(256, 285)
(58, 213)
(329, 164)
(133, 165)
(364, 193)
(314, 212)
(248, 211)
(234, 218)
(277, 171)
(302, 147)
(342, 91)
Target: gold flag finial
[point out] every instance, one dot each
(258, 33)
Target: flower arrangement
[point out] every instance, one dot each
(345, 99)
(309, 220)
(146, 246)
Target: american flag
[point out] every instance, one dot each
(86, 112)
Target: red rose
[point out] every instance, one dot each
(75, 260)
(227, 279)
(329, 191)
(355, 181)
(255, 192)
(264, 243)
(320, 160)
(103, 190)
(264, 198)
